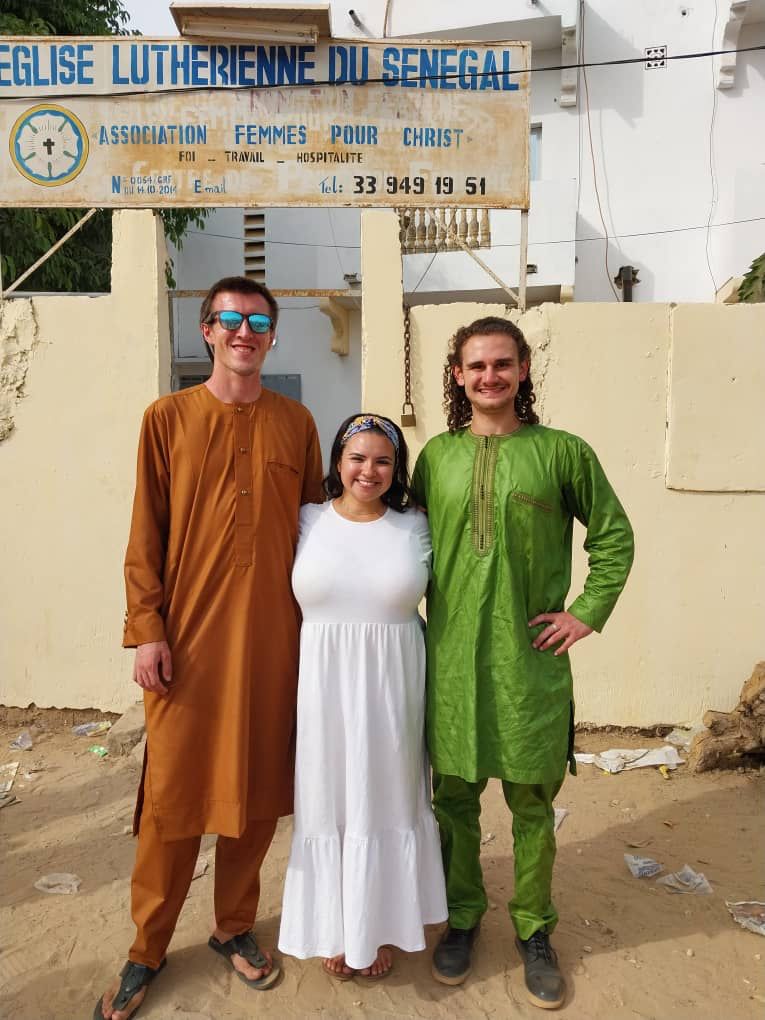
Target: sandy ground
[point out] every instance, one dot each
(630, 949)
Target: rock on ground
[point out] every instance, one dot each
(127, 731)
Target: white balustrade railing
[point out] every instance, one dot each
(424, 230)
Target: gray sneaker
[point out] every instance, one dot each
(545, 986)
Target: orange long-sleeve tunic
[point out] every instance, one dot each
(207, 568)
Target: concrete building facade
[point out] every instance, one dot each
(655, 163)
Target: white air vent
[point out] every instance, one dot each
(255, 245)
(655, 57)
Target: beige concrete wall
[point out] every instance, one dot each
(689, 626)
(636, 381)
(717, 382)
(78, 372)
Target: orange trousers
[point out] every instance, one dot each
(162, 876)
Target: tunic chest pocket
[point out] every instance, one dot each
(531, 501)
(285, 479)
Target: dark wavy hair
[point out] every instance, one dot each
(456, 404)
(399, 496)
(235, 285)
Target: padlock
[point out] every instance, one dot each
(408, 420)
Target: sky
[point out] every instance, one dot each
(151, 17)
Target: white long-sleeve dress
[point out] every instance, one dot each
(365, 864)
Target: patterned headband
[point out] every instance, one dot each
(364, 422)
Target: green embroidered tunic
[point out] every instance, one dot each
(501, 512)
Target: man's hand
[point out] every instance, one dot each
(561, 627)
(153, 665)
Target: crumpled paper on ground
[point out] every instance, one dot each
(682, 736)
(642, 867)
(7, 775)
(623, 759)
(91, 729)
(61, 882)
(750, 914)
(686, 880)
(23, 741)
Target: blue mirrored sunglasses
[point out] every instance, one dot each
(231, 321)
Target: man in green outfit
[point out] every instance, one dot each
(502, 492)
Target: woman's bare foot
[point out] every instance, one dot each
(382, 965)
(336, 967)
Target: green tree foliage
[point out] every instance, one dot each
(84, 262)
(752, 287)
(63, 17)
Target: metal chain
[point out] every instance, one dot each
(408, 418)
(407, 357)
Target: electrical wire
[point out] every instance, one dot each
(573, 240)
(565, 240)
(427, 270)
(594, 171)
(580, 126)
(299, 244)
(622, 62)
(643, 233)
(335, 245)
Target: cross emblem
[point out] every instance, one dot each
(48, 145)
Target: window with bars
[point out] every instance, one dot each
(188, 374)
(535, 152)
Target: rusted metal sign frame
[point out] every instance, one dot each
(404, 123)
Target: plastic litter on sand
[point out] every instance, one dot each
(7, 775)
(682, 737)
(619, 759)
(642, 867)
(62, 883)
(560, 814)
(750, 914)
(23, 741)
(91, 729)
(686, 880)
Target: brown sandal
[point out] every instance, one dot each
(245, 946)
(135, 976)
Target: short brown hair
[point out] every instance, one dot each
(235, 285)
(456, 404)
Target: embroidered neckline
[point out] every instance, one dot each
(482, 494)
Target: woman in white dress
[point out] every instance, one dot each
(365, 869)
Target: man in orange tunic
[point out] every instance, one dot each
(222, 471)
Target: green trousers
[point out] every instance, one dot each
(457, 805)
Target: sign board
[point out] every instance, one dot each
(139, 122)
